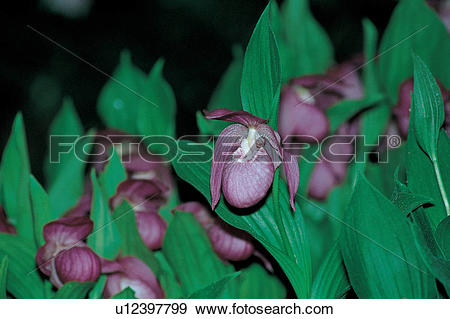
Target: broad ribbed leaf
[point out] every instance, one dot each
(118, 101)
(190, 254)
(131, 242)
(105, 238)
(15, 173)
(256, 283)
(215, 289)
(3, 275)
(443, 236)
(428, 108)
(68, 185)
(156, 111)
(377, 250)
(261, 75)
(331, 280)
(41, 208)
(74, 290)
(309, 50)
(23, 280)
(414, 26)
(405, 200)
(167, 279)
(66, 122)
(113, 175)
(260, 224)
(97, 290)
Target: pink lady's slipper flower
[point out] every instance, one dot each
(403, 107)
(246, 156)
(304, 100)
(146, 198)
(5, 226)
(228, 242)
(130, 272)
(65, 257)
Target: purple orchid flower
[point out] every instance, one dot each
(246, 156)
(403, 106)
(304, 100)
(228, 242)
(138, 162)
(5, 226)
(145, 196)
(65, 257)
(130, 272)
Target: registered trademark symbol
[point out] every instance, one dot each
(394, 141)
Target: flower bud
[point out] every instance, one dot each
(230, 243)
(5, 227)
(130, 272)
(152, 228)
(200, 212)
(64, 256)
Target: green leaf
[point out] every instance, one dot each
(215, 289)
(414, 26)
(105, 238)
(421, 173)
(189, 252)
(112, 176)
(74, 290)
(68, 185)
(23, 280)
(370, 70)
(97, 290)
(3, 275)
(429, 249)
(256, 283)
(405, 200)
(226, 95)
(127, 293)
(331, 280)
(131, 242)
(15, 171)
(261, 75)
(118, 101)
(377, 251)
(260, 224)
(66, 122)
(428, 108)
(167, 279)
(41, 208)
(156, 111)
(308, 48)
(443, 236)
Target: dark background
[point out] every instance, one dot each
(194, 36)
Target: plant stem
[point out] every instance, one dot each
(278, 216)
(437, 171)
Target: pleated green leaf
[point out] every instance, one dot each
(296, 261)
(105, 238)
(15, 169)
(308, 48)
(117, 103)
(112, 176)
(261, 75)
(331, 280)
(443, 236)
(74, 290)
(41, 208)
(156, 109)
(215, 289)
(256, 283)
(96, 291)
(413, 26)
(189, 252)
(3, 275)
(23, 279)
(127, 293)
(377, 248)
